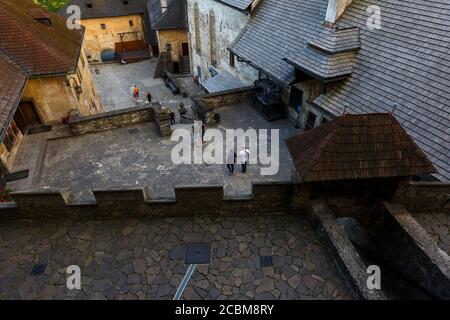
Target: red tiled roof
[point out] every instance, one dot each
(30, 48)
(360, 146)
(36, 48)
(12, 82)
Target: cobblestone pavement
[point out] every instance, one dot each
(144, 259)
(438, 226)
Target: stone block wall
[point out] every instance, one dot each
(266, 198)
(225, 98)
(207, 103)
(110, 120)
(424, 196)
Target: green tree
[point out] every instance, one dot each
(51, 5)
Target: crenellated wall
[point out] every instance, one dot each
(266, 198)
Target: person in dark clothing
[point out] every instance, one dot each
(231, 160)
(149, 97)
(172, 118)
(203, 132)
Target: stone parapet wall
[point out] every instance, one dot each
(266, 198)
(424, 196)
(207, 103)
(110, 120)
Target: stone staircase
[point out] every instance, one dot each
(185, 64)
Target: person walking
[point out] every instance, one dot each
(149, 97)
(136, 92)
(243, 159)
(172, 118)
(231, 161)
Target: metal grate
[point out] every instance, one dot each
(198, 253)
(266, 261)
(38, 269)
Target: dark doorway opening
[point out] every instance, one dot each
(26, 116)
(185, 49)
(176, 67)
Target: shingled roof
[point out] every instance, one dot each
(12, 83)
(107, 8)
(36, 48)
(405, 62)
(242, 5)
(363, 146)
(29, 48)
(174, 17)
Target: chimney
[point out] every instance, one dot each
(335, 9)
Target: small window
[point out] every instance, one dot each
(103, 26)
(131, 23)
(82, 60)
(232, 59)
(168, 47)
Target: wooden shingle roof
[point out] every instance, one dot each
(363, 146)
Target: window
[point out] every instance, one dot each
(168, 47)
(82, 60)
(232, 60)
(198, 47)
(131, 23)
(103, 26)
(212, 37)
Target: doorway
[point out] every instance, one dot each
(26, 116)
(185, 49)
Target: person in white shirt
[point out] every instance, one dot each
(243, 159)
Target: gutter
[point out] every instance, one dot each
(12, 112)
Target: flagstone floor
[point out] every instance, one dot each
(144, 259)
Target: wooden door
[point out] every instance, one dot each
(29, 113)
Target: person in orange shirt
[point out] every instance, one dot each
(136, 92)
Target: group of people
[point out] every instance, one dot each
(135, 92)
(241, 158)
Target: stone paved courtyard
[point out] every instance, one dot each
(114, 81)
(144, 259)
(116, 158)
(438, 226)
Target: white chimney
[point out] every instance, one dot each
(335, 9)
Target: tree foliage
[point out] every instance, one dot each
(51, 5)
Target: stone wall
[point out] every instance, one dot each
(424, 196)
(225, 23)
(110, 120)
(225, 98)
(266, 198)
(400, 242)
(207, 103)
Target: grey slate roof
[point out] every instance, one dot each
(406, 62)
(175, 17)
(337, 40)
(222, 82)
(239, 4)
(324, 66)
(107, 8)
(279, 29)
